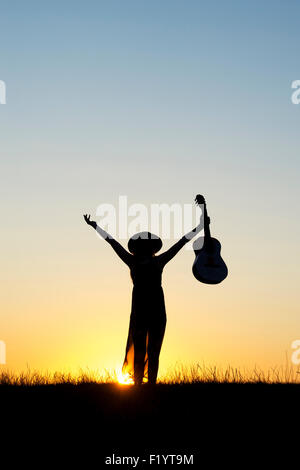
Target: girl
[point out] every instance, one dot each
(148, 313)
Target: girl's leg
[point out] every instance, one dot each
(156, 336)
(139, 342)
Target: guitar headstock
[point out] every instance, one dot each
(199, 200)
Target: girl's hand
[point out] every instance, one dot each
(90, 222)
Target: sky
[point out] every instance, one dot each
(157, 101)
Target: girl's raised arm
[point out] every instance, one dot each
(117, 247)
(165, 257)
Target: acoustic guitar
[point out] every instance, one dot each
(208, 267)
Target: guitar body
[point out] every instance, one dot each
(209, 267)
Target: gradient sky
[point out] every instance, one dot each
(158, 101)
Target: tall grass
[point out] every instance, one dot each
(180, 374)
(201, 373)
(31, 378)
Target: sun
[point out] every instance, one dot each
(124, 379)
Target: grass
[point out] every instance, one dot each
(180, 374)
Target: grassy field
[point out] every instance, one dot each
(180, 374)
(204, 412)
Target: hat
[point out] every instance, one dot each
(144, 242)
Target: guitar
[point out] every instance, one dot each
(208, 266)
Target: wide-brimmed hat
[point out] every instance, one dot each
(144, 242)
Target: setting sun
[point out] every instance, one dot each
(124, 379)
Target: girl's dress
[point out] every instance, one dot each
(148, 313)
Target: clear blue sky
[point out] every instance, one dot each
(167, 85)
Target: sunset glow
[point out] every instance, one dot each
(124, 379)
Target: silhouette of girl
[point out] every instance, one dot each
(148, 313)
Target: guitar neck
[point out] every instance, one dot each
(207, 234)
